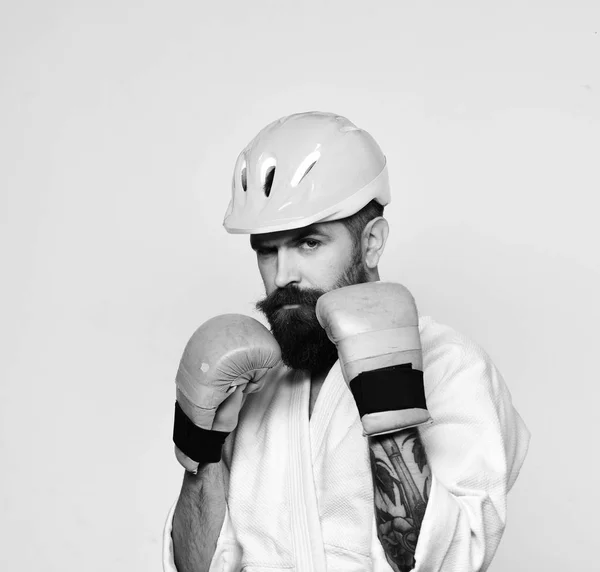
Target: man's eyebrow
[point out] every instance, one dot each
(256, 242)
(308, 231)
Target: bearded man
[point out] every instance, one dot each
(355, 435)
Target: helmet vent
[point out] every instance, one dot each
(269, 181)
(244, 179)
(305, 167)
(308, 170)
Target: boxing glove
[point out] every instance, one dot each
(375, 328)
(226, 358)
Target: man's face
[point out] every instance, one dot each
(297, 267)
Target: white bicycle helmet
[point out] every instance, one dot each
(302, 169)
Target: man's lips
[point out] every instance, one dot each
(290, 306)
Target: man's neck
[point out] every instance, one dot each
(318, 377)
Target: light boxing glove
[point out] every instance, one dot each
(375, 328)
(226, 358)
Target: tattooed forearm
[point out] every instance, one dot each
(402, 478)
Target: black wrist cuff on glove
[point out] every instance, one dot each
(200, 445)
(389, 389)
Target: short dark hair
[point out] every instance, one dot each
(357, 222)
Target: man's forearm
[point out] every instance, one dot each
(402, 479)
(198, 518)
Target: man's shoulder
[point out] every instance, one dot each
(435, 334)
(448, 352)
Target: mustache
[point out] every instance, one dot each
(288, 296)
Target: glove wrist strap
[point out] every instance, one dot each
(392, 388)
(200, 445)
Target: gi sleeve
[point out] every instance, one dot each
(475, 448)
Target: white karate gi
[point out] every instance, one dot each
(300, 494)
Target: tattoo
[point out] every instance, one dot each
(402, 478)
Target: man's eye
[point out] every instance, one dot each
(310, 243)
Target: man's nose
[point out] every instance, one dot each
(287, 270)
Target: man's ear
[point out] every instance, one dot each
(374, 238)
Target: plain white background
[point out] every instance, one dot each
(120, 125)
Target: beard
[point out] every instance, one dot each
(304, 343)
